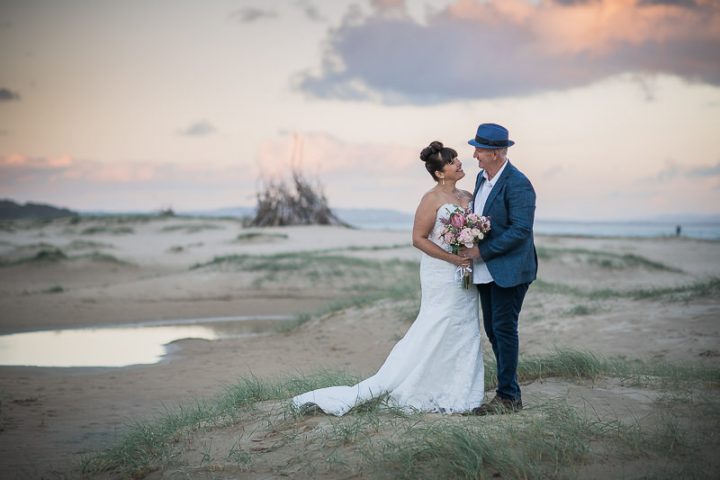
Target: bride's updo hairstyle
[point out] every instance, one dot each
(436, 156)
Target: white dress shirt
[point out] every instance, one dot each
(481, 274)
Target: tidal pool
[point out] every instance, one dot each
(122, 345)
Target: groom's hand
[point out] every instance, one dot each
(473, 252)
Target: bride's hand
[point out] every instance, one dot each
(459, 261)
(471, 253)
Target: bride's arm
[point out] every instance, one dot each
(422, 227)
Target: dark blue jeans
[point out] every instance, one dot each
(501, 309)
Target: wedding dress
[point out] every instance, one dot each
(438, 364)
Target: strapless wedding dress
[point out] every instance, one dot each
(438, 364)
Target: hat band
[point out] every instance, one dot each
(492, 143)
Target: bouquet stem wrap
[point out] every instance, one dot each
(463, 275)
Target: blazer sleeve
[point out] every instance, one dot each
(520, 203)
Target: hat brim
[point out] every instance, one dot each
(476, 144)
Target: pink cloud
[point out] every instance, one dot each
(475, 49)
(319, 153)
(596, 26)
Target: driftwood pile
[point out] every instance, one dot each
(300, 203)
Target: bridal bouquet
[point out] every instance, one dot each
(463, 228)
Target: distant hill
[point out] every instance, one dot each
(10, 210)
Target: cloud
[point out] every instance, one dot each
(679, 3)
(310, 10)
(90, 184)
(251, 14)
(321, 153)
(7, 95)
(18, 168)
(25, 172)
(673, 170)
(199, 129)
(473, 49)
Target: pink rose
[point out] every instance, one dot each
(457, 220)
(466, 237)
(449, 238)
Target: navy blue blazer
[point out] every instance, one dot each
(509, 248)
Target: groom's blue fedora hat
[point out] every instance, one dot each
(491, 135)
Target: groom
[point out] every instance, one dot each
(505, 262)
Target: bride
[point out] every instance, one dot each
(438, 365)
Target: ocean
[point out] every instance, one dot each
(705, 231)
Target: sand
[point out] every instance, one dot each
(51, 417)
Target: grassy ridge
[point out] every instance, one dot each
(701, 288)
(398, 445)
(604, 259)
(323, 271)
(53, 254)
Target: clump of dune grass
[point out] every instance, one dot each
(580, 310)
(53, 255)
(370, 248)
(44, 255)
(109, 230)
(54, 289)
(87, 244)
(603, 259)
(533, 448)
(101, 257)
(191, 227)
(260, 236)
(696, 289)
(146, 443)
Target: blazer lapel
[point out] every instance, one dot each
(497, 187)
(478, 182)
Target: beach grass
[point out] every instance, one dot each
(322, 270)
(108, 230)
(603, 259)
(150, 442)
(191, 227)
(50, 254)
(87, 244)
(544, 440)
(46, 254)
(258, 236)
(699, 288)
(54, 289)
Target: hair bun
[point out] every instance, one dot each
(431, 150)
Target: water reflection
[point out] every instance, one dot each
(117, 346)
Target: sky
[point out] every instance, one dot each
(139, 105)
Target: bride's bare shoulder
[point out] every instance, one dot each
(429, 197)
(429, 201)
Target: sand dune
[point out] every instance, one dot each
(650, 299)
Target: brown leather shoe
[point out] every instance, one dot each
(498, 406)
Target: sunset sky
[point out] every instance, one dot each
(137, 105)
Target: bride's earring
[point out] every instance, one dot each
(443, 181)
